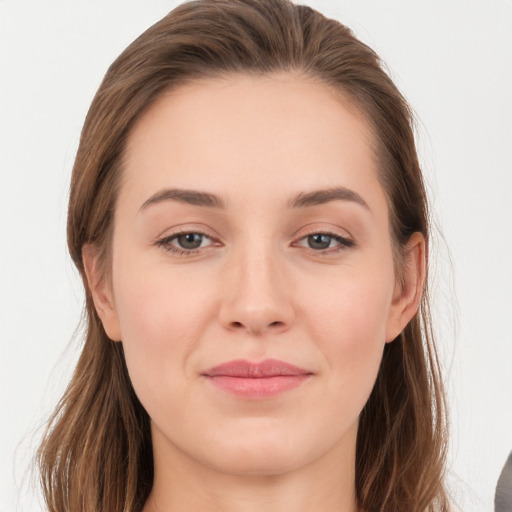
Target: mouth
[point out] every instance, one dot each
(248, 379)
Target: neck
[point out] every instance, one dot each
(181, 483)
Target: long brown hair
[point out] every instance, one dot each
(96, 455)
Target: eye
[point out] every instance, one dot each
(185, 242)
(327, 242)
(190, 240)
(319, 241)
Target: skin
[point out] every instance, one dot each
(254, 289)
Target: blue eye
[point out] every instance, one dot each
(319, 241)
(190, 240)
(325, 242)
(184, 243)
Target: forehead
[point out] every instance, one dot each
(272, 133)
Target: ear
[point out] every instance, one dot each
(408, 288)
(101, 293)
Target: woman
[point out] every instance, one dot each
(249, 219)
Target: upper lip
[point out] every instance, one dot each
(247, 369)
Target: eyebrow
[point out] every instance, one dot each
(192, 197)
(323, 196)
(197, 198)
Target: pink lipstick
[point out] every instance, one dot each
(256, 380)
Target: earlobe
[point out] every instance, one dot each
(408, 289)
(101, 293)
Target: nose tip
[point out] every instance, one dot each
(256, 298)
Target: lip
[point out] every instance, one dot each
(248, 379)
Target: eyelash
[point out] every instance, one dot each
(343, 243)
(165, 243)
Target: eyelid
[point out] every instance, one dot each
(188, 227)
(323, 228)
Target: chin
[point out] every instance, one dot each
(263, 453)
(263, 463)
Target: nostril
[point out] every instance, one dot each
(252, 328)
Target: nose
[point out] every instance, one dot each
(256, 296)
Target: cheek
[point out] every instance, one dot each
(160, 326)
(349, 325)
(355, 311)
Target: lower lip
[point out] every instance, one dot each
(262, 387)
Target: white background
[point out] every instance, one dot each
(453, 61)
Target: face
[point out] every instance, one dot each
(252, 284)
